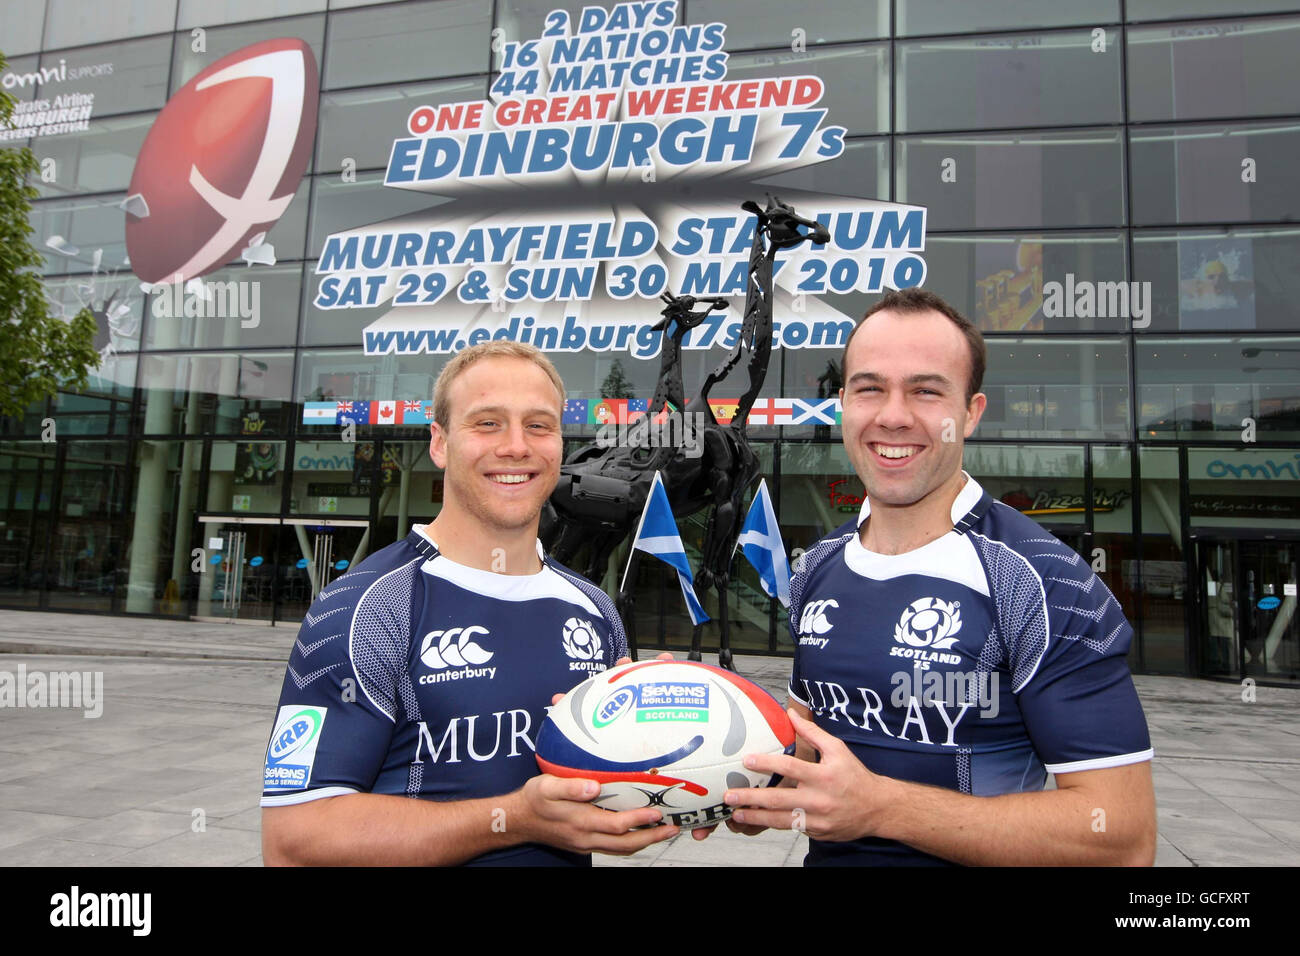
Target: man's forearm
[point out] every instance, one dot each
(1043, 828)
(371, 829)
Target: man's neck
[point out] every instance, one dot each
(503, 552)
(900, 529)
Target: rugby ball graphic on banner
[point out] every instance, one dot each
(667, 734)
(222, 161)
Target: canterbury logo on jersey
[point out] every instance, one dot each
(813, 622)
(929, 622)
(448, 651)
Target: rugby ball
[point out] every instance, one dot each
(666, 734)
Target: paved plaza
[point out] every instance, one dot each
(170, 773)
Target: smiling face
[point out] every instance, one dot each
(501, 447)
(905, 410)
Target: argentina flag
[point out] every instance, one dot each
(657, 535)
(760, 542)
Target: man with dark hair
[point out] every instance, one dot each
(949, 652)
(406, 727)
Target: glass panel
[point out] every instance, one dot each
(856, 78)
(521, 20)
(773, 23)
(20, 25)
(408, 41)
(21, 79)
(115, 299)
(411, 489)
(347, 375)
(1192, 174)
(1270, 632)
(207, 13)
(160, 565)
(217, 393)
(861, 170)
(122, 77)
(920, 17)
(1163, 565)
(997, 281)
(1244, 488)
(1035, 79)
(239, 578)
(99, 160)
(336, 478)
(1241, 279)
(26, 490)
(103, 407)
(77, 22)
(88, 549)
(1227, 388)
(361, 125)
(1009, 182)
(1167, 9)
(1055, 388)
(68, 232)
(188, 62)
(309, 558)
(1208, 70)
(1044, 482)
(241, 307)
(1114, 546)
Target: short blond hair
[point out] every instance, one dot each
(499, 348)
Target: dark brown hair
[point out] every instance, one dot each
(915, 301)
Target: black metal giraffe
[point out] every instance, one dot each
(602, 490)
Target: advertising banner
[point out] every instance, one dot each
(607, 167)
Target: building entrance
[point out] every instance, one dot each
(1246, 604)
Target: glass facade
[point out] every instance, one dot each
(1143, 151)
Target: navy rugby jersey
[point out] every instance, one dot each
(979, 662)
(416, 676)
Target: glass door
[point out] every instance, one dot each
(1270, 630)
(237, 580)
(1217, 592)
(314, 552)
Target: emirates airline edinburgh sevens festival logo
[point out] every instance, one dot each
(222, 162)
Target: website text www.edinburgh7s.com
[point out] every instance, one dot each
(639, 337)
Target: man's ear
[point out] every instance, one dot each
(974, 412)
(438, 445)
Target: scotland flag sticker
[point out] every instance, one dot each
(292, 750)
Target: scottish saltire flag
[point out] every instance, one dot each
(760, 542)
(814, 412)
(657, 535)
(320, 413)
(575, 412)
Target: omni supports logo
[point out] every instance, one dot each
(236, 299)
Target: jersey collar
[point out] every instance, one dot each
(420, 540)
(962, 506)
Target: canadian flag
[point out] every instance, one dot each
(385, 413)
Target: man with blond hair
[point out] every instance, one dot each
(406, 726)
